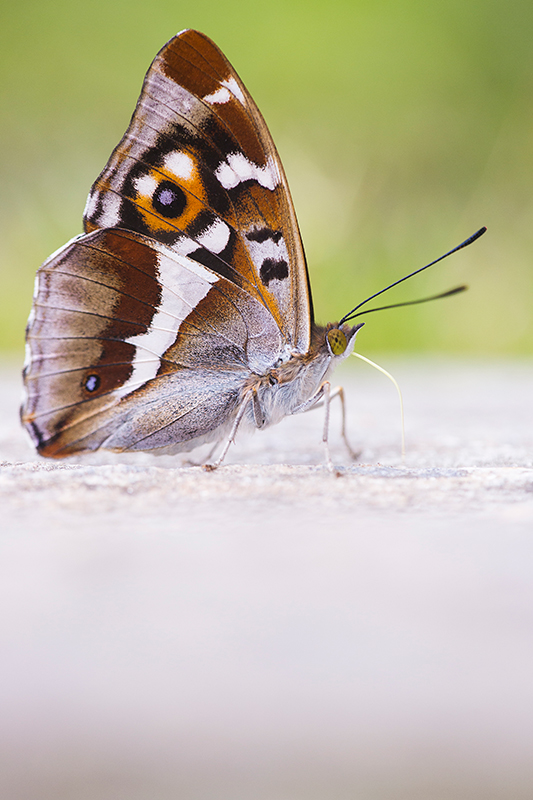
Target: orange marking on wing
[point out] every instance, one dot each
(195, 198)
(243, 264)
(89, 226)
(258, 207)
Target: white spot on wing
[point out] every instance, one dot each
(184, 283)
(220, 96)
(110, 215)
(238, 169)
(184, 246)
(230, 88)
(179, 164)
(234, 88)
(145, 185)
(215, 237)
(27, 352)
(277, 251)
(90, 205)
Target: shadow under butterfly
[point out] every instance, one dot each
(184, 310)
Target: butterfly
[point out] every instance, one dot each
(184, 310)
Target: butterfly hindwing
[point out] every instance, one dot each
(134, 346)
(197, 171)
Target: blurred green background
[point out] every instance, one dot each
(403, 127)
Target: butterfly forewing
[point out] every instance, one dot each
(197, 171)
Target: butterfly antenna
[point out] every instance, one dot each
(351, 314)
(449, 293)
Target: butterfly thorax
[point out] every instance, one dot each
(290, 384)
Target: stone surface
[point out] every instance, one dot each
(270, 631)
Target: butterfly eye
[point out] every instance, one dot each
(336, 341)
(169, 200)
(92, 383)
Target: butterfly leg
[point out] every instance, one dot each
(326, 393)
(190, 463)
(250, 395)
(321, 398)
(339, 392)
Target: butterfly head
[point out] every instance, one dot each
(340, 339)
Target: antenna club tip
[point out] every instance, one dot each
(471, 239)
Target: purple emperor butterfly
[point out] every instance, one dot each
(184, 310)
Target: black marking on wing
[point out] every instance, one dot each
(35, 433)
(272, 268)
(201, 223)
(216, 263)
(169, 199)
(262, 234)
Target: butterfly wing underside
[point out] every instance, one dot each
(198, 171)
(190, 275)
(105, 307)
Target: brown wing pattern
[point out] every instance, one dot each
(134, 347)
(197, 171)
